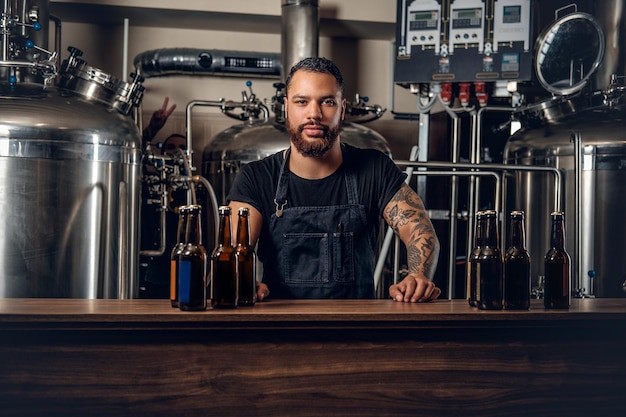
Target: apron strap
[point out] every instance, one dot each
(280, 198)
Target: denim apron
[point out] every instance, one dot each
(321, 251)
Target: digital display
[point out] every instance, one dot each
(423, 20)
(418, 16)
(238, 62)
(468, 14)
(467, 19)
(511, 14)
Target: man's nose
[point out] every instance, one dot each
(314, 111)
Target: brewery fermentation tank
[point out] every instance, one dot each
(602, 131)
(70, 164)
(583, 134)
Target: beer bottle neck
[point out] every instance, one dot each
(182, 226)
(243, 234)
(194, 230)
(480, 233)
(224, 238)
(558, 234)
(518, 238)
(491, 232)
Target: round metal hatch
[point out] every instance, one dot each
(568, 52)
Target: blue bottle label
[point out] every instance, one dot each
(184, 282)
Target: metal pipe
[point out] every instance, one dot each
(454, 194)
(299, 32)
(204, 62)
(57, 32)
(558, 177)
(125, 51)
(213, 198)
(480, 170)
(578, 168)
(190, 106)
(475, 158)
(187, 166)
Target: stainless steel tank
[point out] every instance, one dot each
(583, 134)
(70, 164)
(602, 187)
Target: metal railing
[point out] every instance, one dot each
(498, 172)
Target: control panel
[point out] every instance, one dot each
(421, 26)
(467, 25)
(463, 41)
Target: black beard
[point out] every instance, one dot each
(313, 149)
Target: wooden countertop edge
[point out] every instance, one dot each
(150, 314)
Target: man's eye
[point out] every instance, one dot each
(329, 102)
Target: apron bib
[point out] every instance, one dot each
(320, 251)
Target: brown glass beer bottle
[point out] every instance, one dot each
(192, 268)
(223, 273)
(479, 233)
(517, 266)
(489, 267)
(557, 289)
(175, 254)
(245, 259)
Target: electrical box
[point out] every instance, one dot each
(463, 41)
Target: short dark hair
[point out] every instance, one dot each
(316, 64)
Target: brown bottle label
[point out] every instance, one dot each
(173, 280)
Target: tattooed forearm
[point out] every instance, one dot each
(421, 256)
(404, 208)
(406, 215)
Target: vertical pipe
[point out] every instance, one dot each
(454, 191)
(577, 141)
(299, 32)
(5, 33)
(422, 146)
(125, 51)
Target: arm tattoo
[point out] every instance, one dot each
(407, 216)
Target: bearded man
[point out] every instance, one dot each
(315, 208)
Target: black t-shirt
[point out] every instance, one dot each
(378, 179)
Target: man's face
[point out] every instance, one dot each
(314, 110)
(173, 144)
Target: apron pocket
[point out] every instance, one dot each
(305, 258)
(343, 257)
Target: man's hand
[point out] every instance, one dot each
(160, 116)
(158, 119)
(262, 291)
(415, 289)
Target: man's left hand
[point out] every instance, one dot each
(414, 289)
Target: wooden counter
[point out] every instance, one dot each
(310, 358)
